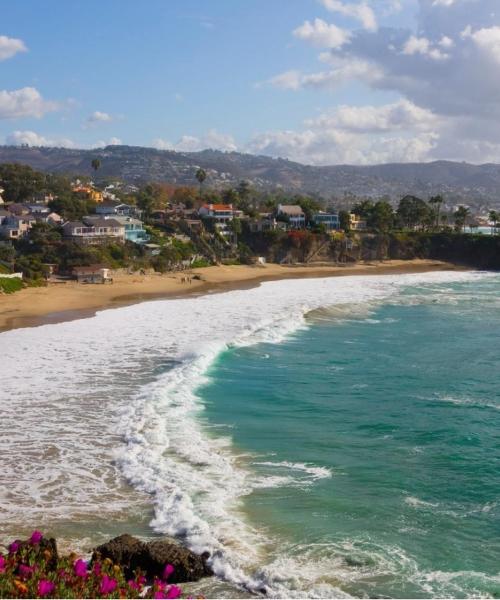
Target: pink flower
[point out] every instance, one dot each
(108, 585)
(45, 587)
(2, 564)
(80, 568)
(167, 571)
(25, 572)
(14, 547)
(159, 596)
(133, 585)
(36, 537)
(97, 568)
(173, 592)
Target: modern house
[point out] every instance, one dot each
(94, 230)
(330, 220)
(15, 227)
(356, 222)
(92, 274)
(293, 213)
(221, 214)
(134, 229)
(116, 208)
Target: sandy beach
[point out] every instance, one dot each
(66, 301)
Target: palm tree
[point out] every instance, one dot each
(461, 217)
(494, 218)
(437, 201)
(201, 175)
(96, 164)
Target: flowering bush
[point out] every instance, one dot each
(30, 570)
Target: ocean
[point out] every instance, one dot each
(322, 437)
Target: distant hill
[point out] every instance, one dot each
(459, 182)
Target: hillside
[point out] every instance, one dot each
(459, 182)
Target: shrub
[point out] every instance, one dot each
(10, 285)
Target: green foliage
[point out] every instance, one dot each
(9, 285)
(345, 220)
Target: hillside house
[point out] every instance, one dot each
(293, 213)
(329, 220)
(94, 230)
(356, 222)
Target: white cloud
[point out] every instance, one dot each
(9, 47)
(99, 117)
(188, 143)
(421, 45)
(26, 102)
(486, 39)
(113, 141)
(30, 138)
(360, 11)
(322, 34)
(344, 71)
(401, 115)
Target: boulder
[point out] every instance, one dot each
(131, 554)
(188, 566)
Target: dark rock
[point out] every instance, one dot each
(132, 554)
(188, 566)
(124, 550)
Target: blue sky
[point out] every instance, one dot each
(320, 81)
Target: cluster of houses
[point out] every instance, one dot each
(119, 222)
(112, 221)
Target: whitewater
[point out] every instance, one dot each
(102, 426)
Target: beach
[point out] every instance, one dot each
(71, 300)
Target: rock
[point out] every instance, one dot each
(124, 550)
(131, 554)
(48, 545)
(188, 566)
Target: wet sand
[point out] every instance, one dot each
(68, 301)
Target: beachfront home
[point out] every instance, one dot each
(330, 220)
(94, 230)
(116, 208)
(15, 227)
(221, 213)
(92, 274)
(134, 229)
(356, 222)
(294, 215)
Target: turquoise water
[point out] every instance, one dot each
(377, 429)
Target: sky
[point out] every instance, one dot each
(316, 81)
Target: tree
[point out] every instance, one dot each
(494, 217)
(96, 164)
(381, 218)
(461, 216)
(345, 220)
(363, 209)
(437, 201)
(413, 212)
(201, 175)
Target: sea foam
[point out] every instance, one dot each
(92, 407)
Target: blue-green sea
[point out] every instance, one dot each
(376, 431)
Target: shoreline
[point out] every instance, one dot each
(57, 303)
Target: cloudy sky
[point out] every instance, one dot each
(317, 81)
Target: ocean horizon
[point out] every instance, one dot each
(320, 437)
